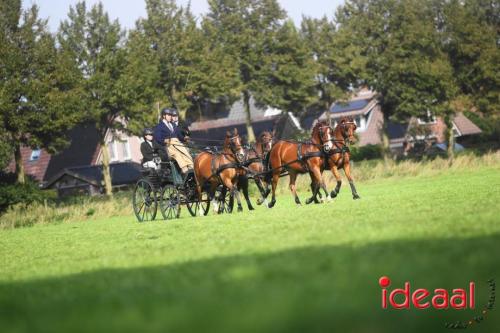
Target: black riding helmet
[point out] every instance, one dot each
(172, 112)
(147, 131)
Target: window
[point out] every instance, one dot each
(357, 120)
(113, 155)
(35, 154)
(126, 150)
(428, 119)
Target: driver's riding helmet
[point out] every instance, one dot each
(166, 111)
(174, 112)
(147, 131)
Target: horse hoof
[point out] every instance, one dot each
(309, 201)
(356, 197)
(333, 194)
(259, 202)
(251, 208)
(271, 204)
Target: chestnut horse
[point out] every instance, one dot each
(299, 158)
(339, 156)
(254, 165)
(222, 168)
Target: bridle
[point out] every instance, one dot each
(264, 144)
(344, 127)
(234, 149)
(325, 142)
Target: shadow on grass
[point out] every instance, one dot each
(322, 289)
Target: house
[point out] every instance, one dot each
(89, 179)
(83, 151)
(366, 111)
(220, 118)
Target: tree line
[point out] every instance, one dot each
(424, 57)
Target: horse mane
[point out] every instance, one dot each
(346, 119)
(320, 124)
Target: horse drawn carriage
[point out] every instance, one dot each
(168, 189)
(219, 175)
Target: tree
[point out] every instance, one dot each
(190, 66)
(287, 79)
(338, 58)
(246, 29)
(39, 93)
(97, 44)
(405, 61)
(471, 39)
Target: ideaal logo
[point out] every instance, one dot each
(458, 298)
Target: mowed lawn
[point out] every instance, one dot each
(290, 269)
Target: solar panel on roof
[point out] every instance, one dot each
(350, 106)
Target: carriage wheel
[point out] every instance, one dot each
(144, 201)
(223, 197)
(196, 207)
(170, 205)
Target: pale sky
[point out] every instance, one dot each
(128, 11)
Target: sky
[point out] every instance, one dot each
(128, 11)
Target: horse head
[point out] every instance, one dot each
(264, 143)
(233, 143)
(347, 127)
(322, 134)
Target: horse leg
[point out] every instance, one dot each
(293, 187)
(243, 184)
(212, 198)
(336, 173)
(320, 183)
(314, 192)
(347, 170)
(233, 190)
(275, 180)
(262, 192)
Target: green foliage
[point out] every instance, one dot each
(39, 95)
(367, 152)
(337, 56)
(96, 44)
(6, 151)
(12, 194)
(472, 35)
(287, 79)
(186, 66)
(247, 31)
(405, 60)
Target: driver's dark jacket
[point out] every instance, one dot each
(149, 152)
(162, 132)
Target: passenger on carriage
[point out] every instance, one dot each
(170, 136)
(152, 152)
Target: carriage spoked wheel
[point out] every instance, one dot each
(170, 202)
(144, 201)
(224, 201)
(197, 207)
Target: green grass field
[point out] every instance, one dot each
(289, 269)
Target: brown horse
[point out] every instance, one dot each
(339, 156)
(299, 158)
(254, 167)
(220, 168)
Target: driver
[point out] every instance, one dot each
(168, 135)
